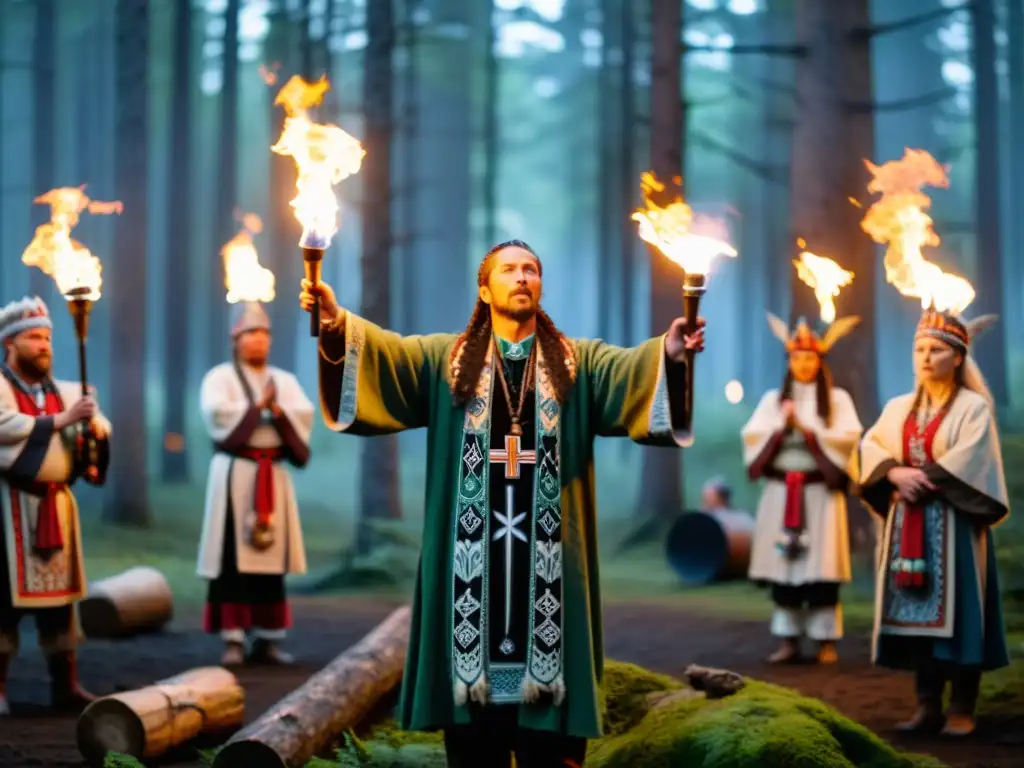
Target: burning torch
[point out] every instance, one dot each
(78, 275)
(669, 229)
(898, 220)
(823, 276)
(245, 279)
(324, 155)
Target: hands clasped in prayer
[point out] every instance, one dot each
(911, 483)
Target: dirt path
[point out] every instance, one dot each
(655, 636)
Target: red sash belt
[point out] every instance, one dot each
(265, 459)
(794, 519)
(49, 537)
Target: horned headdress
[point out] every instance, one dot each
(803, 338)
(959, 333)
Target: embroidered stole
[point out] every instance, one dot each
(471, 664)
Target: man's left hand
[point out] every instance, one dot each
(681, 339)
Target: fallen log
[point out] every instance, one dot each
(705, 547)
(136, 601)
(336, 698)
(147, 722)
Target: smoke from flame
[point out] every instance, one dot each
(898, 219)
(244, 278)
(825, 277)
(71, 265)
(323, 154)
(672, 230)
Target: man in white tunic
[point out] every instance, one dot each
(799, 440)
(258, 417)
(41, 569)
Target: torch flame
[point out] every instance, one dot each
(670, 229)
(825, 277)
(244, 278)
(324, 155)
(73, 268)
(898, 219)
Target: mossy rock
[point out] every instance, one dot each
(762, 726)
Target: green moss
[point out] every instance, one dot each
(117, 760)
(763, 726)
(1002, 692)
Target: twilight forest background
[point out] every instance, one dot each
(523, 118)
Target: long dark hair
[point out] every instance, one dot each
(822, 390)
(471, 346)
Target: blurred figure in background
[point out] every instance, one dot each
(799, 440)
(258, 417)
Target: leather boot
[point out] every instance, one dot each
(67, 694)
(5, 662)
(267, 652)
(928, 717)
(787, 652)
(234, 654)
(827, 653)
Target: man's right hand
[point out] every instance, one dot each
(323, 292)
(83, 410)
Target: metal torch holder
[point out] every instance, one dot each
(694, 286)
(312, 260)
(92, 453)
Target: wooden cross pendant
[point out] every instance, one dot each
(512, 457)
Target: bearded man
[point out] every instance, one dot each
(41, 439)
(507, 589)
(258, 418)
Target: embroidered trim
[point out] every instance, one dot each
(355, 339)
(470, 579)
(659, 417)
(544, 655)
(471, 534)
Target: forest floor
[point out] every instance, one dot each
(662, 634)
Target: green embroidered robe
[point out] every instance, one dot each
(376, 382)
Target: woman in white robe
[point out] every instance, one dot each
(931, 467)
(799, 441)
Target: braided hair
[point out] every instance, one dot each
(472, 344)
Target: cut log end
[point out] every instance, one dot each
(251, 754)
(135, 601)
(146, 722)
(109, 725)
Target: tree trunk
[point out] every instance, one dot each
(44, 126)
(284, 228)
(147, 722)
(991, 350)
(379, 486)
(136, 601)
(436, 245)
(410, 178)
(629, 179)
(225, 224)
(661, 481)
(608, 214)
(179, 218)
(336, 698)
(833, 135)
(492, 136)
(128, 500)
(1015, 54)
